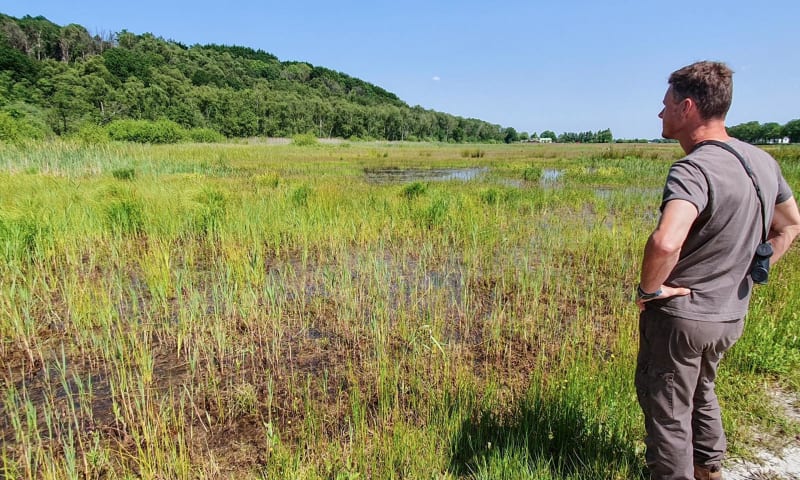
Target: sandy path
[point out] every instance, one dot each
(782, 463)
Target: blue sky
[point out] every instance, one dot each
(562, 66)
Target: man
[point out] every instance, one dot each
(695, 283)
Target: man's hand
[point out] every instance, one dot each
(666, 292)
(784, 229)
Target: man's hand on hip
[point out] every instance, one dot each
(666, 292)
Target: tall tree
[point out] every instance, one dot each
(510, 135)
(770, 131)
(548, 134)
(792, 130)
(746, 132)
(605, 136)
(74, 41)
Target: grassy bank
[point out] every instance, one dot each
(201, 311)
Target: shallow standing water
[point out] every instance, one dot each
(404, 175)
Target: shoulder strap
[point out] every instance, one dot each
(750, 174)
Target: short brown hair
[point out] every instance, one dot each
(709, 84)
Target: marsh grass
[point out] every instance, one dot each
(264, 312)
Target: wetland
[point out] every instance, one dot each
(344, 311)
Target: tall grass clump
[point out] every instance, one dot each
(414, 190)
(300, 195)
(270, 180)
(211, 210)
(435, 213)
(23, 236)
(125, 173)
(495, 196)
(304, 140)
(124, 214)
(532, 173)
(473, 153)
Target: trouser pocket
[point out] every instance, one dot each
(661, 393)
(656, 392)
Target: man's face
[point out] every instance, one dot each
(670, 115)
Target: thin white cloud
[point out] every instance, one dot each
(436, 78)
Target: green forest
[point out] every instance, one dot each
(62, 80)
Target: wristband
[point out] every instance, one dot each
(642, 295)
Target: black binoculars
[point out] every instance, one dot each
(759, 272)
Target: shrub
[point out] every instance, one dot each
(16, 129)
(92, 134)
(23, 121)
(304, 140)
(205, 135)
(145, 131)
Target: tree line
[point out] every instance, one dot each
(770, 132)
(58, 79)
(600, 136)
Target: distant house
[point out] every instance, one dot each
(776, 141)
(545, 140)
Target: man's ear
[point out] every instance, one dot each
(687, 105)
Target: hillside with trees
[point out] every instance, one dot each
(57, 80)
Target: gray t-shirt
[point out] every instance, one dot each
(716, 257)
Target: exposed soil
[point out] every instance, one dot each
(781, 459)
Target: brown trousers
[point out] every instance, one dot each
(675, 373)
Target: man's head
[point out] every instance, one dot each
(699, 96)
(708, 84)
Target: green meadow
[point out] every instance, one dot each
(345, 311)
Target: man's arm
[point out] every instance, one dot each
(784, 228)
(663, 248)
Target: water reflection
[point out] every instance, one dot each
(607, 192)
(551, 175)
(404, 175)
(511, 182)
